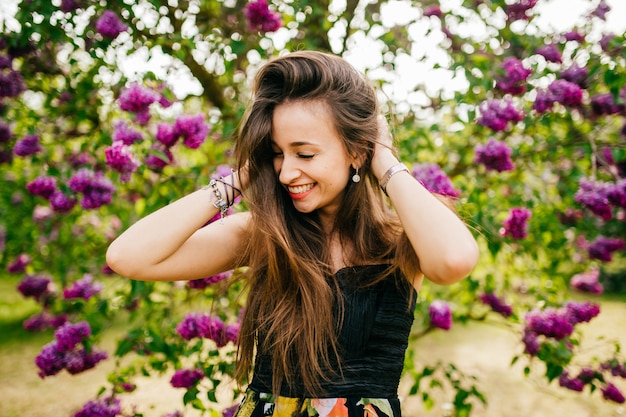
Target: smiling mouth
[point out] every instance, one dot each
(300, 189)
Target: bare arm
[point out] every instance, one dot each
(446, 249)
(171, 244)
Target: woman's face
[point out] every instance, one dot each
(310, 158)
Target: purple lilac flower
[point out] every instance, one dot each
(11, 84)
(193, 129)
(601, 10)
(497, 113)
(602, 104)
(519, 10)
(109, 25)
(497, 304)
(261, 18)
(550, 323)
(611, 393)
(77, 361)
(186, 378)
(617, 192)
(603, 247)
(34, 286)
(515, 76)
(594, 195)
(575, 74)
(543, 102)
(158, 158)
(206, 282)
(440, 314)
(606, 42)
(68, 6)
(62, 203)
(574, 384)
(120, 157)
(550, 52)
(516, 225)
(432, 10)
(106, 407)
(230, 411)
(531, 342)
(188, 328)
(174, 414)
(96, 189)
(574, 35)
(44, 320)
(167, 134)
(51, 360)
(566, 93)
(28, 145)
(122, 132)
(495, 155)
(581, 312)
(84, 288)
(432, 177)
(231, 333)
(5, 132)
(42, 186)
(69, 335)
(615, 367)
(19, 264)
(587, 282)
(137, 98)
(212, 327)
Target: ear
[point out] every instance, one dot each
(358, 161)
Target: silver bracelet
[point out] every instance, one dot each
(390, 173)
(219, 202)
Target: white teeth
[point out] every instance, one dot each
(300, 189)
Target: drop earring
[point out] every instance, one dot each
(356, 177)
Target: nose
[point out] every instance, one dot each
(288, 170)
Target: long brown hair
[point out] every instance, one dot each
(292, 295)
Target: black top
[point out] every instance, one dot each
(372, 340)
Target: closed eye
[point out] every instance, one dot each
(306, 156)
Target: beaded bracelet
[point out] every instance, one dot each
(391, 172)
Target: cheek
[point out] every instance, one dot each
(277, 163)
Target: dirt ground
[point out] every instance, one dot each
(482, 350)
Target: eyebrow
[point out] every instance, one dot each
(297, 144)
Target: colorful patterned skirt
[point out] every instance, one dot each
(257, 404)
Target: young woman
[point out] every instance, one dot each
(337, 240)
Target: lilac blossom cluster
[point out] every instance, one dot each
(559, 91)
(576, 75)
(496, 303)
(432, 177)
(95, 188)
(19, 264)
(105, 407)
(495, 156)
(35, 286)
(515, 75)
(120, 158)
(186, 378)
(601, 197)
(516, 225)
(261, 18)
(11, 81)
(550, 52)
(210, 327)
(440, 315)
(602, 248)
(604, 104)
(44, 320)
(27, 146)
(203, 283)
(109, 25)
(496, 114)
(587, 282)
(558, 324)
(137, 99)
(66, 352)
(84, 288)
(587, 376)
(519, 10)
